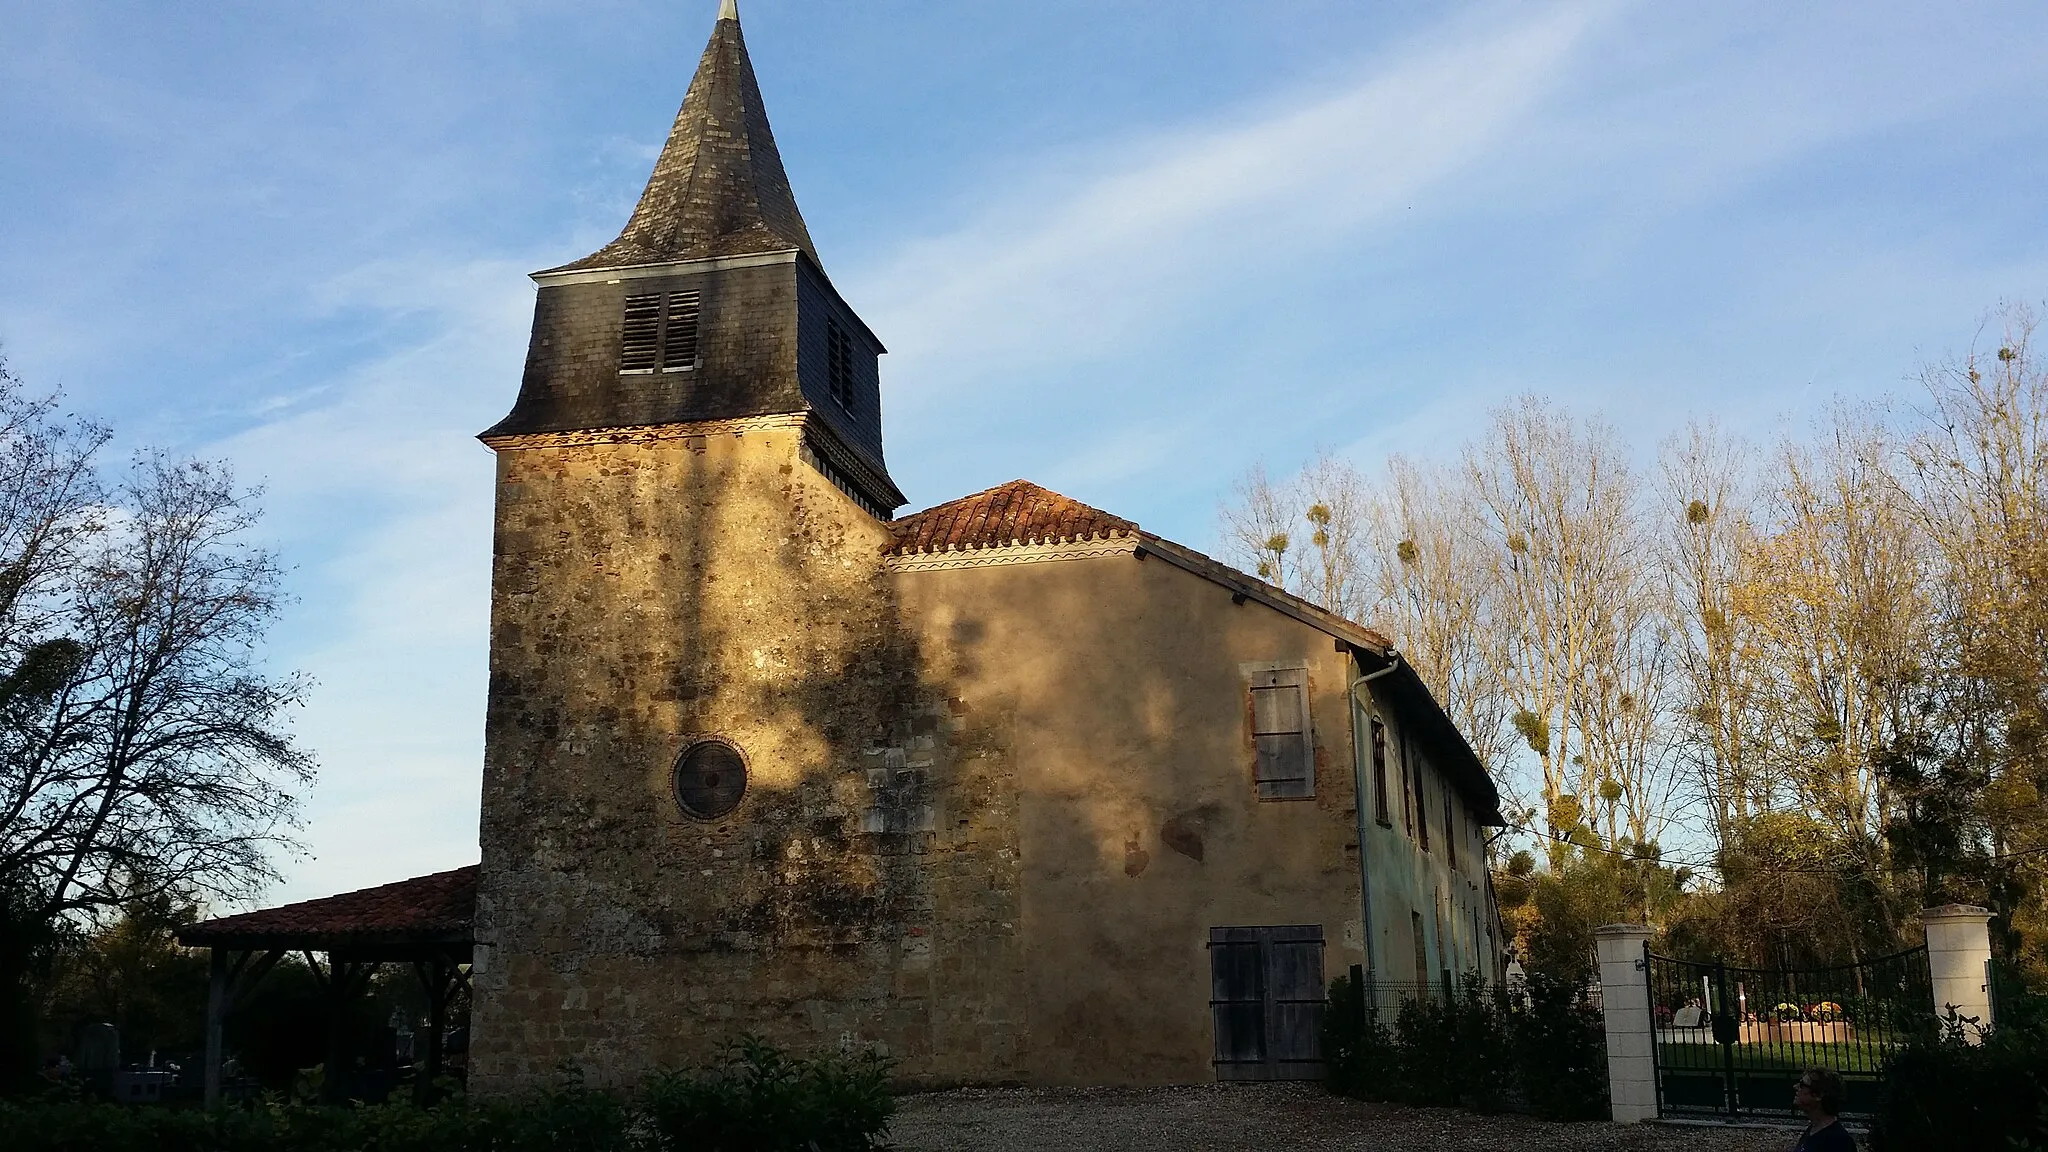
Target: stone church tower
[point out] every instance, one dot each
(689, 611)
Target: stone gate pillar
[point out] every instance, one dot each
(1625, 1006)
(1958, 960)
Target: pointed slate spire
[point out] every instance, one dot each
(719, 188)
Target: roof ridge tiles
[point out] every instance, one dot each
(1007, 515)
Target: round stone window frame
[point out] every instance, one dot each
(675, 776)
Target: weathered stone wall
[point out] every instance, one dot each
(865, 890)
(1137, 815)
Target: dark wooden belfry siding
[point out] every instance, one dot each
(747, 325)
(859, 424)
(1266, 996)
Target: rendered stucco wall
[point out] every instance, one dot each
(1140, 826)
(1408, 881)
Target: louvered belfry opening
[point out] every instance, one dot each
(679, 332)
(640, 339)
(839, 364)
(660, 330)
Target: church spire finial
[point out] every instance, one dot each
(719, 188)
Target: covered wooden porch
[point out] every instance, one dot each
(426, 922)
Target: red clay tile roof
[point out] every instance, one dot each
(436, 908)
(1019, 512)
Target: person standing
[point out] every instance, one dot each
(1819, 1094)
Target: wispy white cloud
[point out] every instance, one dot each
(1129, 244)
(1614, 204)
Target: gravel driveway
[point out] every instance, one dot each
(1261, 1117)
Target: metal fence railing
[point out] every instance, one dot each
(1384, 998)
(1730, 1040)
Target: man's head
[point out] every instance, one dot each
(1819, 1090)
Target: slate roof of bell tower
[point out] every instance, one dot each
(719, 188)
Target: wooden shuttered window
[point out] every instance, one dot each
(1379, 774)
(1266, 996)
(660, 331)
(1284, 763)
(640, 340)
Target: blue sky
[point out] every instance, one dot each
(1124, 249)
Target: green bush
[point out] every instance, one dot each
(1484, 1050)
(760, 1100)
(1426, 1051)
(1359, 1057)
(763, 1101)
(577, 1120)
(1560, 1052)
(1950, 1092)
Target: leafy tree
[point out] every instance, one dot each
(133, 974)
(143, 750)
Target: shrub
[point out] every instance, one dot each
(764, 1101)
(1946, 1092)
(1561, 1052)
(760, 1100)
(1481, 1024)
(1427, 1049)
(1359, 1058)
(1484, 1050)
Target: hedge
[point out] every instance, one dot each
(1543, 1051)
(1970, 1089)
(758, 1100)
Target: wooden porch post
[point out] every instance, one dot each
(332, 1090)
(435, 975)
(216, 1015)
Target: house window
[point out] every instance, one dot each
(1450, 826)
(1266, 996)
(660, 331)
(1407, 792)
(1379, 773)
(839, 364)
(1284, 761)
(1421, 810)
(1421, 954)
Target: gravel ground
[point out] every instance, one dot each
(1216, 1117)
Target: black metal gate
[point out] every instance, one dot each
(1731, 1041)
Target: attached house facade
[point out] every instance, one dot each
(1009, 789)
